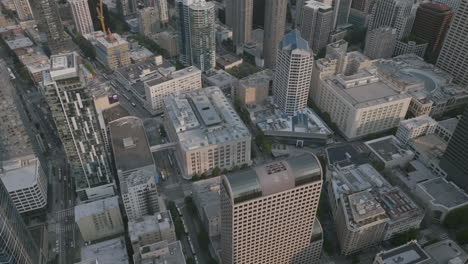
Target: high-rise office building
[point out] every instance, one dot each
(454, 160)
(362, 5)
(81, 16)
(148, 21)
(275, 25)
(73, 111)
(46, 14)
(161, 6)
(197, 33)
(431, 24)
(242, 13)
(16, 242)
(316, 24)
(268, 212)
(398, 14)
(128, 7)
(293, 70)
(342, 10)
(453, 57)
(23, 9)
(380, 43)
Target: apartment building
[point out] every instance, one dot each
(415, 127)
(81, 16)
(112, 51)
(151, 229)
(316, 24)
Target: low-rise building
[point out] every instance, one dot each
(409, 253)
(415, 127)
(254, 88)
(206, 196)
(150, 229)
(160, 253)
(221, 79)
(36, 61)
(440, 197)
(445, 128)
(429, 150)
(389, 151)
(207, 130)
(228, 61)
(106, 252)
(410, 47)
(99, 219)
(446, 252)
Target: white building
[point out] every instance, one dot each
(99, 219)
(106, 252)
(380, 42)
(292, 76)
(410, 47)
(207, 130)
(415, 127)
(409, 253)
(162, 85)
(81, 16)
(160, 253)
(398, 14)
(150, 229)
(316, 24)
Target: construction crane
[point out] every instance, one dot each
(100, 12)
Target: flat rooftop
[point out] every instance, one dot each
(204, 117)
(63, 66)
(130, 144)
(346, 154)
(220, 78)
(418, 121)
(143, 71)
(445, 193)
(149, 223)
(207, 194)
(388, 148)
(449, 124)
(409, 253)
(109, 251)
(111, 40)
(431, 146)
(364, 207)
(445, 251)
(169, 253)
(227, 59)
(396, 203)
(357, 178)
(16, 176)
(415, 172)
(99, 206)
(261, 77)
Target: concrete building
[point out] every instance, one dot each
(99, 219)
(220, 78)
(380, 43)
(316, 24)
(112, 51)
(160, 253)
(242, 14)
(292, 76)
(161, 6)
(254, 204)
(74, 114)
(455, 157)
(445, 128)
(409, 253)
(440, 197)
(275, 25)
(389, 151)
(415, 127)
(228, 61)
(23, 9)
(453, 56)
(446, 251)
(429, 150)
(168, 41)
(360, 222)
(109, 251)
(361, 104)
(417, 47)
(151, 229)
(128, 7)
(81, 16)
(206, 195)
(431, 24)
(48, 21)
(135, 166)
(164, 84)
(197, 45)
(254, 88)
(208, 132)
(398, 14)
(148, 21)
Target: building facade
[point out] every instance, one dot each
(112, 51)
(398, 14)
(410, 47)
(148, 21)
(316, 24)
(254, 88)
(380, 43)
(81, 16)
(151, 229)
(415, 127)
(242, 13)
(275, 25)
(292, 76)
(74, 115)
(453, 56)
(268, 212)
(23, 9)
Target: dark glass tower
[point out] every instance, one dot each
(455, 159)
(16, 243)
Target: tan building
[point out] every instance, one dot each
(150, 229)
(254, 88)
(268, 212)
(112, 51)
(81, 16)
(168, 41)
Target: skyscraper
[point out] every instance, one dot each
(16, 242)
(268, 212)
(161, 6)
(343, 8)
(275, 25)
(453, 57)
(431, 24)
(81, 16)
(293, 70)
(197, 33)
(148, 21)
(48, 21)
(398, 14)
(73, 111)
(316, 24)
(380, 43)
(454, 161)
(23, 8)
(242, 13)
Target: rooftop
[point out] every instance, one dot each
(207, 194)
(273, 177)
(161, 253)
(409, 253)
(317, 5)
(110, 251)
(396, 203)
(220, 78)
(227, 59)
(143, 71)
(130, 144)
(114, 113)
(20, 174)
(418, 121)
(431, 146)
(356, 178)
(63, 66)
(447, 252)
(444, 193)
(99, 206)
(346, 154)
(19, 42)
(204, 117)
(111, 40)
(265, 76)
(415, 172)
(364, 207)
(388, 148)
(149, 223)
(293, 41)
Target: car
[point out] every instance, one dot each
(133, 104)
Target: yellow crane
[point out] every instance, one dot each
(100, 12)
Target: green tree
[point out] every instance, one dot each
(190, 260)
(216, 172)
(462, 236)
(203, 240)
(190, 204)
(457, 218)
(405, 237)
(212, 261)
(162, 130)
(86, 46)
(355, 259)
